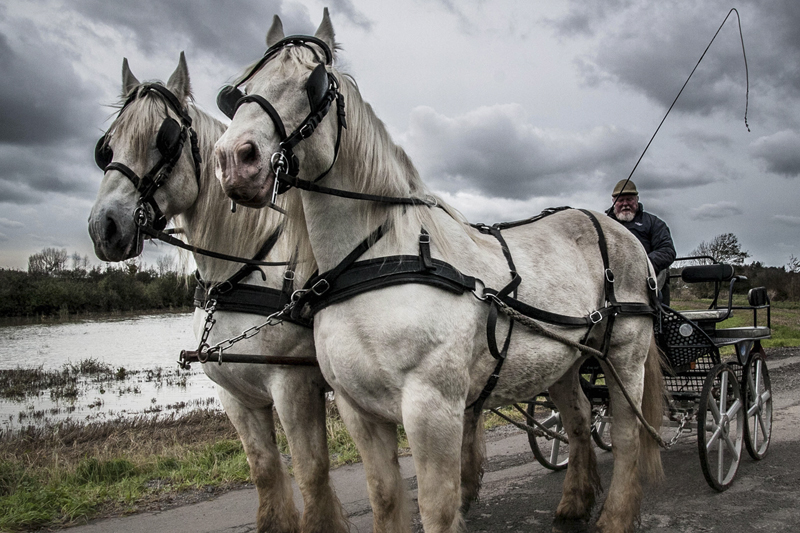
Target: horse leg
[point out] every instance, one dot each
(256, 427)
(621, 508)
(434, 425)
(473, 452)
(582, 481)
(301, 408)
(377, 444)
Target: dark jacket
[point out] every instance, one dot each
(654, 235)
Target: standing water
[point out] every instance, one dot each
(125, 367)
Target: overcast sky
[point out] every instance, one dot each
(506, 107)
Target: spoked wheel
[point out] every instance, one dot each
(720, 427)
(550, 452)
(601, 429)
(757, 395)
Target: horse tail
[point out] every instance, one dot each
(473, 454)
(653, 400)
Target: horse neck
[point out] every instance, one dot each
(209, 223)
(369, 162)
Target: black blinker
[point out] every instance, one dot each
(317, 86)
(103, 153)
(168, 137)
(227, 98)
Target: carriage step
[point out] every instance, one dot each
(759, 332)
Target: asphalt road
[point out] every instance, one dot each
(519, 495)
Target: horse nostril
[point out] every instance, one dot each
(110, 229)
(247, 153)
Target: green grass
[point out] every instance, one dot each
(62, 494)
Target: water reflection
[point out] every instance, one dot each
(146, 346)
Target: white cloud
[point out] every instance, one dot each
(6, 223)
(789, 220)
(715, 211)
(494, 150)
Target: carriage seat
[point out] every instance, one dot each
(716, 273)
(716, 315)
(706, 273)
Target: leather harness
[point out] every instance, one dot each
(352, 277)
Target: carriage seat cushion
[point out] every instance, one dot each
(759, 332)
(706, 314)
(701, 273)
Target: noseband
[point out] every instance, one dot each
(322, 88)
(170, 140)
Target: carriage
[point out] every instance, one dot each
(725, 399)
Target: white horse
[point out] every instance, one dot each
(248, 391)
(417, 355)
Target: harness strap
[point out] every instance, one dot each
(233, 295)
(169, 239)
(608, 274)
(381, 272)
(267, 107)
(312, 186)
(491, 322)
(319, 284)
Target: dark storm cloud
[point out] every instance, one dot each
(46, 111)
(780, 153)
(658, 44)
(32, 175)
(234, 35)
(42, 100)
(492, 150)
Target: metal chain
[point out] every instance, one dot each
(272, 320)
(685, 418)
(202, 347)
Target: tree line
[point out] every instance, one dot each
(782, 283)
(59, 284)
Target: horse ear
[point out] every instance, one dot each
(178, 83)
(325, 31)
(129, 81)
(275, 32)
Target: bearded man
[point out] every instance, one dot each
(651, 231)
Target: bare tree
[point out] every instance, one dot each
(49, 261)
(164, 264)
(724, 248)
(79, 262)
(793, 265)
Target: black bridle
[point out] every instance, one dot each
(170, 140)
(322, 89)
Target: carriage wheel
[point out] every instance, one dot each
(551, 453)
(720, 427)
(757, 394)
(601, 429)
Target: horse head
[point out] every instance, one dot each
(280, 123)
(151, 164)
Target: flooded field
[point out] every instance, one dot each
(98, 369)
